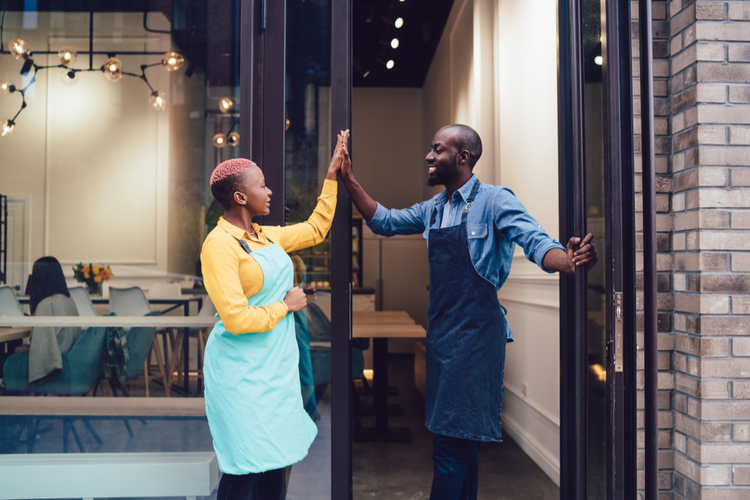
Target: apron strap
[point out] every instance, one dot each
(246, 247)
(469, 201)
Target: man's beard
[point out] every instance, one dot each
(441, 178)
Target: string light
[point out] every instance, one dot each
(394, 43)
(67, 55)
(158, 100)
(8, 127)
(226, 104)
(113, 69)
(390, 64)
(598, 60)
(220, 140)
(399, 22)
(69, 77)
(172, 61)
(19, 48)
(6, 86)
(233, 139)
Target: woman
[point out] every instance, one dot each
(49, 296)
(252, 387)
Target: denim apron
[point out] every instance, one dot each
(466, 336)
(253, 401)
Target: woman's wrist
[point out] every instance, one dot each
(285, 306)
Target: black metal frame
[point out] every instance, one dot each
(620, 239)
(3, 239)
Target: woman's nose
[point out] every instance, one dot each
(269, 192)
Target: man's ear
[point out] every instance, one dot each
(464, 156)
(240, 198)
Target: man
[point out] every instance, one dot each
(471, 231)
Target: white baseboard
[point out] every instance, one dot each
(541, 456)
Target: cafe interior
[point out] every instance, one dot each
(114, 116)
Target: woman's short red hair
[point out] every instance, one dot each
(228, 168)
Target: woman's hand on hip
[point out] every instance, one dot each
(295, 299)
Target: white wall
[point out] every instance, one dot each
(495, 70)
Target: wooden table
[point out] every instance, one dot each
(186, 322)
(8, 334)
(381, 326)
(182, 301)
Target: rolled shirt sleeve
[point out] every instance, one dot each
(405, 221)
(512, 218)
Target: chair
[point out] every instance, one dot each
(83, 302)
(164, 290)
(141, 340)
(9, 305)
(81, 371)
(207, 310)
(133, 302)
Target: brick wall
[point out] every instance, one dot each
(710, 166)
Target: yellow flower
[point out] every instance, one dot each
(104, 274)
(86, 275)
(85, 269)
(97, 269)
(98, 279)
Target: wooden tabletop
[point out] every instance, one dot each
(391, 331)
(102, 406)
(8, 334)
(381, 317)
(124, 321)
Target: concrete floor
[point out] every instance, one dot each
(381, 470)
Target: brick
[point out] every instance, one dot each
(714, 304)
(741, 476)
(714, 389)
(709, 10)
(725, 453)
(741, 263)
(739, 53)
(740, 220)
(681, 20)
(740, 305)
(721, 198)
(730, 32)
(741, 347)
(710, 51)
(687, 385)
(739, 94)
(714, 113)
(685, 99)
(713, 93)
(715, 476)
(720, 494)
(714, 261)
(726, 325)
(684, 59)
(675, 45)
(739, 135)
(726, 368)
(712, 177)
(724, 155)
(741, 389)
(712, 134)
(739, 11)
(741, 176)
(730, 73)
(724, 240)
(741, 432)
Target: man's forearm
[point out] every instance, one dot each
(361, 199)
(557, 260)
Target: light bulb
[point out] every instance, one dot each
(158, 100)
(390, 64)
(233, 139)
(113, 69)
(394, 43)
(598, 60)
(19, 48)
(220, 140)
(67, 55)
(226, 104)
(8, 128)
(399, 22)
(69, 77)
(6, 86)
(172, 61)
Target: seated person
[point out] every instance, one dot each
(49, 296)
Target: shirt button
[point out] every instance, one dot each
(473, 233)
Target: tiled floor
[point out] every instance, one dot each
(381, 471)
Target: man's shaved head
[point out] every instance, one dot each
(466, 139)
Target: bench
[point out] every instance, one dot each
(108, 475)
(69, 409)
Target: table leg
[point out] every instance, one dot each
(186, 353)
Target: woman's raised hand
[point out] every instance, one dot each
(295, 299)
(338, 154)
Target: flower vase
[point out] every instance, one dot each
(94, 288)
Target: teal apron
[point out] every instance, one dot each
(253, 401)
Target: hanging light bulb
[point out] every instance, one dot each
(8, 127)
(19, 48)
(113, 69)
(390, 64)
(394, 43)
(220, 140)
(226, 104)
(158, 100)
(233, 139)
(172, 61)
(399, 22)
(598, 60)
(6, 86)
(68, 76)
(67, 55)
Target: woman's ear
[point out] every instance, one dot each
(240, 198)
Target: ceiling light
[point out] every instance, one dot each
(8, 127)
(67, 55)
(390, 64)
(172, 61)
(399, 22)
(233, 139)
(112, 69)
(598, 60)
(158, 100)
(68, 76)
(19, 48)
(220, 140)
(6, 86)
(226, 104)
(394, 43)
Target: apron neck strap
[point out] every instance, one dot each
(469, 201)
(246, 247)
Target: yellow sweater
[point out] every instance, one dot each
(231, 275)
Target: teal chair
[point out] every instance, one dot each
(82, 368)
(140, 339)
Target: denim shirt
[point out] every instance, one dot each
(497, 221)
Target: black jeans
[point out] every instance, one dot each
(456, 469)
(267, 485)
